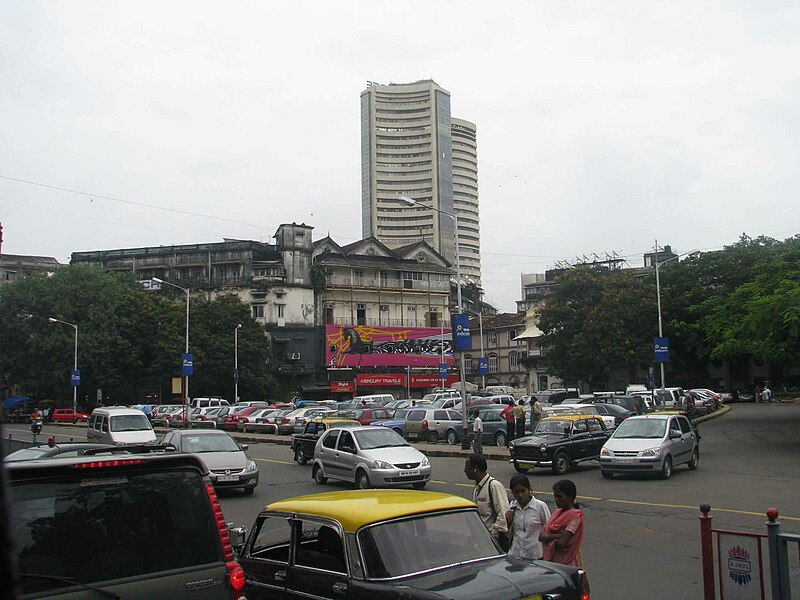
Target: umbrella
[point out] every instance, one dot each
(14, 401)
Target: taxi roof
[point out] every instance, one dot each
(570, 416)
(357, 508)
(329, 420)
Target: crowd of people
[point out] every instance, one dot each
(524, 527)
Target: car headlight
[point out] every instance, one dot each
(251, 466)
(543, 448)
(424, 462)
(380, 464)
(606, 452)
(651, 452)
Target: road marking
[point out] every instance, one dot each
(277, 462)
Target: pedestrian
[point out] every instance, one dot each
(477, 434)
(536, 413)
(688, 400)
(526, 517)
(519, 419)
(562, 536)
(490, 497)
(511, 424)
(766, 395)
(759, 389)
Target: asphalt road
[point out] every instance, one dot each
(642, 535)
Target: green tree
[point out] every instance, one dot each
(596, 321)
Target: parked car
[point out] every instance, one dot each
(430, 424)
(313, 413)
(226, 460)
(672, 397)
(502, 399)
(252, 418)
(287, 421)
(556, 395)
(208, 402)
(386, 544)
(61, 450)
(303, 444)
(379, 399)
(369, 456)
(133, 526)
(163, 413)
(711, 400)
(654, 443)
(619, 413)
(232, 418)
(397, 421)
(367, 415)
(433, 397)
(67, 415)
(635, 404)
(560, 442)
(494, 426)
(591, 409)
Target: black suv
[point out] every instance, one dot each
(136, 526)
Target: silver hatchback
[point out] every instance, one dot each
(653, 443)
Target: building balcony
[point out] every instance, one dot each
(389, 284)
(385, 322)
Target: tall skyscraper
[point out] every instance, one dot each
(410, 146)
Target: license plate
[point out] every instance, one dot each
(536, 597)
(228, 478)
(525, 465)
(405, 473)
(626, 460)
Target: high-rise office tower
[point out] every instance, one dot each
(410, 146)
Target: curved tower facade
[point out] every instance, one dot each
(407, 149)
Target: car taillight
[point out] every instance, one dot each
(236, 576)
(584, 585)
(102, 464)
(425, 424)
(286, 420)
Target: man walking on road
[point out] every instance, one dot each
(536, 413)
(491, 498)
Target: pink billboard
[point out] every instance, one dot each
(370, 346)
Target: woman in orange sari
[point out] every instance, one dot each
(562, 536)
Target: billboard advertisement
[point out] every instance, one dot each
(376, 346)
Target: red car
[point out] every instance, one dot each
(365, 416)
(67, 415)
(232, 418)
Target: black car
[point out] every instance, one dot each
(635, 404)
(390, 544)
(559, 442)
(620, 413)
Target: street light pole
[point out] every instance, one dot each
(452, 215)
(658, 299)
(236, 363)
(480, 326)
(185, 392)
(74, 362)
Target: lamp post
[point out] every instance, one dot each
(236, 363)
(658, 299)
(185, 377)
(480, 326)
(75, 373)
(465, 432)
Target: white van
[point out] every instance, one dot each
(208, 403)
(121, 426)
(382, 399)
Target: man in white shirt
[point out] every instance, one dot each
(525, 517)
(489, 495)
(477, 434)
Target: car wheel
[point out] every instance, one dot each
(607, 474)
(74, 421)
(520, 469)
(560, 463)
(695, 460)
(249, 491)
(318, 476)
(419, 485)
(500, 439)
(433, 437)
(362, 481)
(452, 437)
(299, 457)
(398, 431)
(666, 468)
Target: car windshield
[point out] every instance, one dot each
(400, 413)
(130, 423)
(198, 444)
(378, 438)
(641, 428)
(408, 546)
(27, 454)
(555, 427)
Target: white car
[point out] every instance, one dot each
(589, 409)
(369, 456)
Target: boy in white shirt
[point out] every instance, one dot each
(477, 434)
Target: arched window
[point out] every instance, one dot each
(493, 363)
(467, 364)
(513, 361)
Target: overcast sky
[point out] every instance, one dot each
(601, 126)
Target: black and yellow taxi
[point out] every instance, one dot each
(382, 544)
(559, 442)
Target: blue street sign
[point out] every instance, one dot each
(483, 366)
(236, 376)
(187, 363)
(661, 349)
(461, 339)
(442, 371)
(75, 378)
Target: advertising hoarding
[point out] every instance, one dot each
(376, 346)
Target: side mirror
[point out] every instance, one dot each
(244, 447)
(238, 536)
(674, 435)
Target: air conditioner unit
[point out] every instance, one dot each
(293, 355)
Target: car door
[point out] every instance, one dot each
(440, 421)
(492, 423)
(687, 438)
(346, 456)
(580, 440)
(319, 566)
(598, 435)
(675, 442)
(265, 558)
(326, 452)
